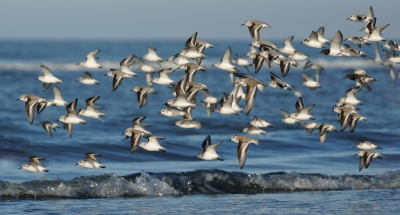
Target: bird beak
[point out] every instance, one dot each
(17, 100)
(20, 167)
(76, 164)
(195, 156)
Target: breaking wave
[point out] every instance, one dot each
(193, 182)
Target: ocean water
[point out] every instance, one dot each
(288, 172)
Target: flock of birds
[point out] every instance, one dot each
(186, 89)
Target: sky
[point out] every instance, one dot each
(179, 19)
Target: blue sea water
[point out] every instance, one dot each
(288, 172)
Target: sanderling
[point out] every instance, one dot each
(254, 28)
(336, 45)
(118, 76)
(91, 161)
(58, 99)
(320, 33)
(71, 117)
(243, 146)
(240, 61)
(303, 113)
(358, 41)
(90, 110)
(310, 82)
(171, 111)
(298, 56)
(34, 165)
(163, 78)
(287, 119)
(323, 130)
(152, 144)
(209, 151)
(375, 34)
(362, 17)
(142, 92)
(90, 62)
(350, 51)
(350, 96)
(312, 41)
(351, 119)
(31, 101)
(225, 64)
(48, 125)
(316, 67)
(178, 59)
(310, 126)
(152, 56)
(87, 79)
(288, 47)
(146, 69)
(125, 65)
(260, 122)
(277, 83)
(367, 145)
(251, 85)
(136, 135)
(254, 130)
(366, 158)
(360, 77)
(48, 78)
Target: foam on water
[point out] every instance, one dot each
(194, 182)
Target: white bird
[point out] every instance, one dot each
(277, 83)
(152, 144)
(350, 96)
(163, 78)
(310, 126)
(367, 145)
(260, 122)
(125, 65)
(312, 41)
(288, 47)
(303, 113)
(323, 130)
(87, 79)
(34, 165)
(225, 64)
(375, 34)
(362, 17)
(146, 69)
(90, 62)
(243, 147)
(240, 61)
(254, 130)
(152, 56)
(178, 59)
(91, 161)
(254, 28)
(141, 94)
(287, 119)
(366, 158)
(48, 125)
(90, 110)
(32, 101)
(48, 78)
(310, 82)
(320, 33)
(117, 76)
(336, 45)
(58, 99)
(209, 151)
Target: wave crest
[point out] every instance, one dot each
(193, 182)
